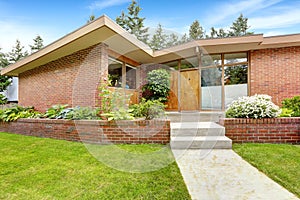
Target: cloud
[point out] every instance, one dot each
(100, 5)
(229, 10)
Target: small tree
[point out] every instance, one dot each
(17, 53)
(240, 27)
(5, 81)
(196, 31)
(159, 39)
(37, 45)
(158, 85)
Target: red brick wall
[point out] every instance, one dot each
(277, 130)
(93, 131)
(275, 72)
(72, 80)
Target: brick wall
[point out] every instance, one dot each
(277, 130)
(72, 80)
(93, 131)
(275, 72)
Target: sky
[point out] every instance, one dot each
(52, 19)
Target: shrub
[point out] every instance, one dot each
(292, 104)
(120, 114)
(148, 109)
(158, 85)
(57, 112)
(78, 113)
(257, 106)
(14, 113)
(3, 99)
(286, 113)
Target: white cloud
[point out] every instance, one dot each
(100, 5)
(12, 30)
(228, 10)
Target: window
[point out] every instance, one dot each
(130, 77)
(189, 63)
(211, 60)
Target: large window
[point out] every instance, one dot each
(121, 74)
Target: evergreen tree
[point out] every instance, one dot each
(37, 45)
(91, 18)
(196, 31)
(4, 80)
(172, 40)
(159, 39)
(17, 53)
(240, 27)
(133, 23)
(184, 39)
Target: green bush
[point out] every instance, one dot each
(257, 106)
(78, 113)
(158, 85)
(149, 109)
(292, 104)
(3, 99)
(56, 112)
(120, 114)
(14, 113)
(286, 112)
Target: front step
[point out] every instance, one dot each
(199, 135)
(195, 116)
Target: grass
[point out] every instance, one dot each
(39, 168)
(281, 162)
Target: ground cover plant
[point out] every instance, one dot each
(39, 168)
(281, 162)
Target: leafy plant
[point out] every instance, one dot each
(257, 106)
(120, 114)
(286, 113)
(57, 112)
(149, 109)
(14, 113)
(292, 104)
(3, 99)
(82, 113)
(158, 85)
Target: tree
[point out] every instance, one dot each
(172, 40)
(184, 39)
(133, 23)
(37, 45)
(91, 18)
(159, 39)
(5, 81)
(196, 31)
(17, 53)
(240, 27)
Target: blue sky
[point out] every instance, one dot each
(53, 19)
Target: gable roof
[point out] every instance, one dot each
(119, 40)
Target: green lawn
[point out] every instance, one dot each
(38, 168)
(280, 162)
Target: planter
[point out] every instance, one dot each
(270, 130)
(93, 131)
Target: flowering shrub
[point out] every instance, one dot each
(257, 106)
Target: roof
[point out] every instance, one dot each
(119, 40)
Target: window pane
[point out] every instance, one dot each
(211, 88)
(114, 73)
(237, 74)
(235, 58)
(173, 64)
(211, 60)
(189, 63)
(130, 77)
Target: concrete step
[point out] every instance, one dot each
(195, 116)
(201, 142)
(180, 129)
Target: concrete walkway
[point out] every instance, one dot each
(222, 174)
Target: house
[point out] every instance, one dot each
(206, 74)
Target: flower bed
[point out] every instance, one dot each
(93, 131)
(268, 130)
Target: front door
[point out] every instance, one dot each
(189, 90)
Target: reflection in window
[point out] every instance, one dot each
(236, 74)
(211, 60)
(173, 64)
(114, 73)
(189, 63)
(235, 58)
(130, 77)
(211, 77)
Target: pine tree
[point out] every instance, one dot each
(159, 39)
(184, 39)
(133, 23)
(17, 53)
(172, 40)
(5, 81)
(91, 18)
(37, 45)
(196, 31)
(240, 27)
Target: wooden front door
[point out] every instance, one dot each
(189, 90)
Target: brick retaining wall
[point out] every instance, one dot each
(277, 130)
(93, 131)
